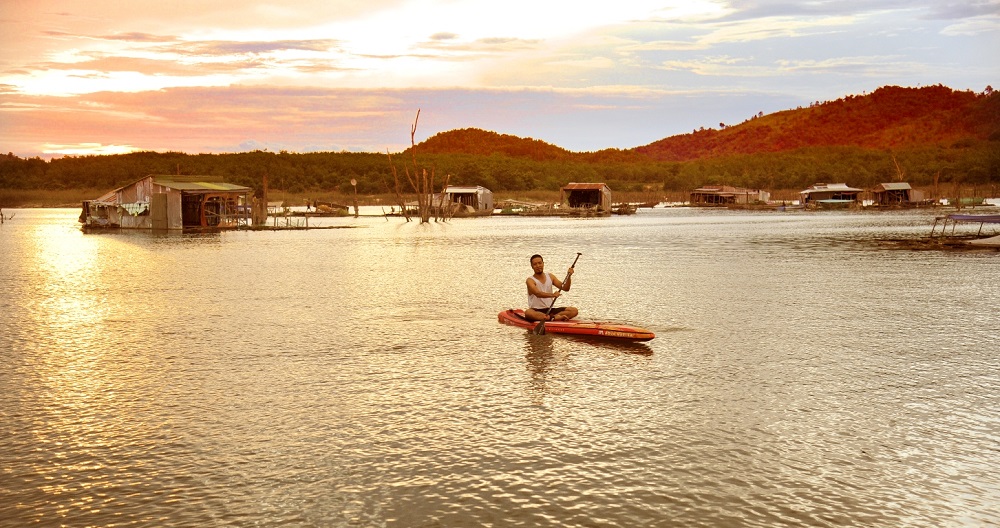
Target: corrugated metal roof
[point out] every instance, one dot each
(200, 185)
(830, 187)
(188, 177)
(572, 186)
(465, 188)
(724, 189)
(899, 186)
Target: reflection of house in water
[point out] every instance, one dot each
(898, 194)
(723, 195)
(830, 195)
(170, 202)
(588, 197)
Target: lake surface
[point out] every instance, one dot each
(803, 373)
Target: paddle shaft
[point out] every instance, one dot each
(540, 327)
(553, 303)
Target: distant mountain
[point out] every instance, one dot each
(888, 118)
(891, 117)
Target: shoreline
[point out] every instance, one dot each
(70, 198)
(73, 198)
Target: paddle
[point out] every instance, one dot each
(540, 327)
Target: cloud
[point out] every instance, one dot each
(238, 118)
(252, 144)
(716, 66)
(87, 149)
(872, 66)
(225, 48)
(762, 9)
(773, 28)
(136, 37)
(478, 47)
(664, 45)
(973, 27)
(963, 10)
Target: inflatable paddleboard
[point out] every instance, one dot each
(579, 327)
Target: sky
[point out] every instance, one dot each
(212, 76)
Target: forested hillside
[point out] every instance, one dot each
(919, 135)
(889, 118)
(484, 143)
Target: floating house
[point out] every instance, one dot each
(898, 194)
(171, 202)
(476, 200)
(724, 195)
(455, 201)
(830, 196)
(592, 198)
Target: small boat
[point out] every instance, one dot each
(579, 327)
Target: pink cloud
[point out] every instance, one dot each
(228, 119)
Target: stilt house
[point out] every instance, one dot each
(829, 195)
(895, 194)
(590, 196)
(721, 195)
(476, 199)
(171, 202)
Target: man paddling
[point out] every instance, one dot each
(541, 297)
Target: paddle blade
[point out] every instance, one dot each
(539, 328)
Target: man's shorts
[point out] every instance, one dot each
(553, 313)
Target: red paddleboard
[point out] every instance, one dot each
(579, 327)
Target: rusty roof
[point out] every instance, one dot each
(200, 185)
(900, 186)
(572, 186)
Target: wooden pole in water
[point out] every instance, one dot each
(354, 183)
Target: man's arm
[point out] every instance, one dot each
(564, 286)
(533, 290)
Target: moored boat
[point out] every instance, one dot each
(579, 327)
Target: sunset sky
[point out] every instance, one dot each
(109, 76)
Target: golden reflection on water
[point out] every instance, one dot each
(547, 354)
(65, 273)
(541, 358)
(78, 379)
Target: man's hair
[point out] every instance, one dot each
(533, 257)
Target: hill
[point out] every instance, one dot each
(485, 143)
(888, 118)
(891, 117)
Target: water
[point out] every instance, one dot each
(804, 373)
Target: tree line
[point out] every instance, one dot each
(966, 162)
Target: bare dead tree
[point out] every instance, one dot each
(900, 174)
(445, 213)
(400, 200)
(419, 179)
